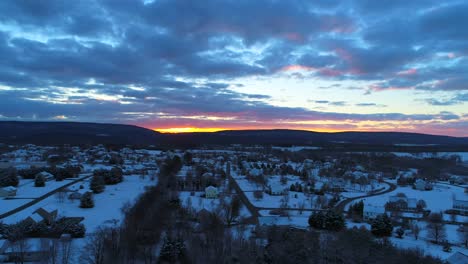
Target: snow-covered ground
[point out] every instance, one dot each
(107, 204)
(26, 192)
(296, 148)
(408, 241)
(199, 203)
(422, 155)
(437, 200)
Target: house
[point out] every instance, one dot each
(371, 212)
(8, 191)
(47, 176)
(211, 192)
(411, 203)
(460, 205)
(458, 258)
(48, 214)
(422, 185)
(75, 195)
(277, 189)
(31, 250)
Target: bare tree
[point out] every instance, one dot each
(301, 206)
(436, 228)
(60, 196)
(93, 251)
(230, 209)
(463, 235)
(415, 229)
(66, 249)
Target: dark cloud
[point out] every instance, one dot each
(179, 57)
(458, 99)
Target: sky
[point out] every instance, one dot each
(181, 66)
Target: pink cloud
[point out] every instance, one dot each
(411, 71)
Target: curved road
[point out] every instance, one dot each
(341, 205)
(36, 200)
(254, 211)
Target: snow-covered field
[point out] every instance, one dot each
(198, 203)
(409, 242)
(26, 192)
(437, 200)
(107, 204)
(296, 148)
(422, 155)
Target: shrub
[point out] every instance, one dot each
(87, 200)
(39, 181)
(97, 184)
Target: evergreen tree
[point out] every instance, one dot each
(329, 220)
(8, 177)
(317, 220)
(334, 221)
(382, 226)
(87, 200)
(97, 184)
(39, 181)
(172, 251)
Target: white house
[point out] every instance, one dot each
(422, 185)
(8, 191)
(371, 211)
(47, 176)
(211, 192)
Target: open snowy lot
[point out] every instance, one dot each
(26, 192)
(438, 199)
(107, 207)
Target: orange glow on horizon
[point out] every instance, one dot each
(187, 129)
(177, 130)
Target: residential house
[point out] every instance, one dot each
(48, 214)
(411, 203)
(277, 189)
(460, 205)
(8, 191)
(371, 211)
(47, 176)
(422, 185)
(211, 192)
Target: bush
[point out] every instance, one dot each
(39, 181)
(87, 200)
(329, 220)
(9, 177)
(97, 184)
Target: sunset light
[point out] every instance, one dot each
(186, 129)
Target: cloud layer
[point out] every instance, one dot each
(179, 63)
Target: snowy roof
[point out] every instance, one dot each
(211, 188)
(36, 217)
(9, 189)
(458, 258)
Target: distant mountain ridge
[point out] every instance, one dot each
(16, 132)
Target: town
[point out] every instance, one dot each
(65, 204)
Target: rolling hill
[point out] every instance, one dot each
(93, 133)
